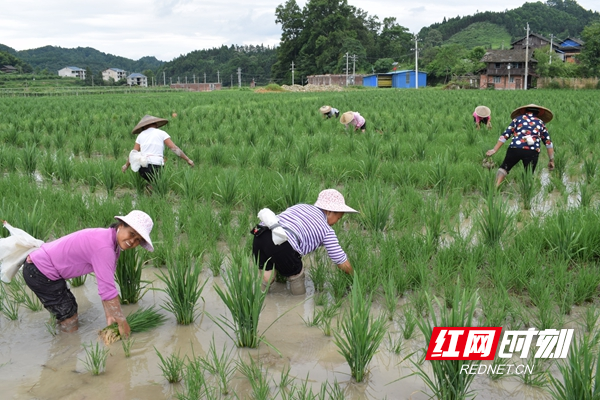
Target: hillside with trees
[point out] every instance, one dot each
(221, 63)
(50, 59)
(9, 59)
(317, 37)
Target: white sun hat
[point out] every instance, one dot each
(332, 200)
(149, 120)
(347, 117)
(140, 222)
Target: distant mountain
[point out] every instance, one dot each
(54, 58)
(561, 18)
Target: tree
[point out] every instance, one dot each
(383, 65)
(89, 77)
(447, 61)
(590, 54)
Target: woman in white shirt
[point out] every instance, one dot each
(147, 154)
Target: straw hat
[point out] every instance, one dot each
(148, 120)
(482, 111)
(332, 200)
(325, 109)
(142, 224)
(347, 117)
(543, 113)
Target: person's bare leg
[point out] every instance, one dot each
(69, 325)
(500, 175)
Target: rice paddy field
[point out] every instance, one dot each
(434, 243)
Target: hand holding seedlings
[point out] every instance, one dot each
(281, 240)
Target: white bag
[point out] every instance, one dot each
(269, 218)
(137, 160)
(14, 250)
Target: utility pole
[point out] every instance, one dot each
(186, 79)
(526, 57)
(416, 62)
(218, 77)
(205, 77)
(171, 80)
(292, 73)
(239, 77)
(231, 87)
(551, 51)
(353, 68)
(346, 69)
(194, 78)
(164, 79)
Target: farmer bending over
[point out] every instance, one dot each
(281, 240)
(89, 250)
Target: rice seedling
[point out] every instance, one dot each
(580, 372)
(127, 344)
(258, 378)
(183, 288)
(78, 281)
(29, 159)
(526, 185)
(64, 169)
(129, 277)
(244, 299)
(141, 320)
(339, 283)
(439, 175)
(215, 261)
(562, 234)
(294, 190)
(263, 157)
(318, 273)
(194, 383)
(52, 325)
(496, 305)
(227, 190)
(420, 145)
(95, 358)
(499, 364)
(326, 314)
(447, 381)
(285, 380)
(585, 283)
(171, 366)
(410, 323)
(589, 169)
(190, 185)
(390, 296)
(88, 144)
(539, 374)
(586, 193)
(376, 209)
(359, 334)
(303, 154)
(9, 306)
(560, 164)
(433, 214)
(221, 365)
(116, 148)
(590, 319)
(494, 221)
(161, 182)
(395, 345)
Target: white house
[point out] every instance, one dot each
(114, 73)
(72, 72)
(137, 79)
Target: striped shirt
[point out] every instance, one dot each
(310, 230)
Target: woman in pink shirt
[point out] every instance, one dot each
(355, 119)
(482, 115)
(89, 250)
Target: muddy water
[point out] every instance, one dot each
(36, 365)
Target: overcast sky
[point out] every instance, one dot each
(169, 28)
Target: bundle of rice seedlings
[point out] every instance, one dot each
(142, 320)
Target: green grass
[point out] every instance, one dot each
(95, 358)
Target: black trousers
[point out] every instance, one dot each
(269, 255)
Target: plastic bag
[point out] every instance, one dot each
(269, 218)
(14, 250)
(137, 160)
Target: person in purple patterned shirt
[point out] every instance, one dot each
(93, 250)
(307, 227)
(526, 133)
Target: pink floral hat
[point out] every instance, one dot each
(142, 224)
(332, 200)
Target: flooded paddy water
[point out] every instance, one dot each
(36, 365)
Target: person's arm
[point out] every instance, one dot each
(493, 151)
(136, 147)
(346, 267)
(114, 313)
(550, 158)
(178, 152)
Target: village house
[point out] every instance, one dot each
(137, 79)
(72, 72)
(505, 69)
(8, 69)
(569, 49)
(114, 73)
